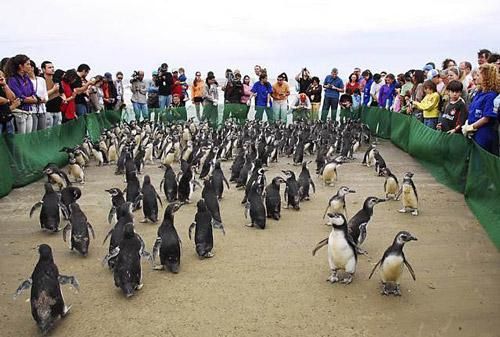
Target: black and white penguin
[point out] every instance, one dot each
(209, 162)
(69, 195)
(149, 200)
(99, 154)
(79, 227)
(203, 235)
(168, 243)
(208, 194)
(379, 163)
(237, 165)
(47, 301)
(391, 184)
(342, 250)
(273, 198)
(369, 157)
(336, 204)
(245, 172)
(124, 215)
(49, 214)
(169, 183)
(391, 264)
(359, 222)
(117, 199)
(75, 170)
(255, 207)
(257, 173)
(186, 185)
(218, 179)
(305, 181)
(133, 190)
(409, 195)
(292, 196)
(329, 171)
(56, 176)
(298, 155)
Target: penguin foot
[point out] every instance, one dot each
(361, 251)
(415, 212)
(208, 255)
(347, 280)
(159, 267)
(307, 198)
(402, 210)
(66, 311)
(139, 286)
(333, 278)
(385, 291)
(145, 220)
(397, 290)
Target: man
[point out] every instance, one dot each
(301, 108)
(109, 92)
(119, 91)
(262, 91)
(375, 90)
(53, 105)
(361, 79)
(495, 59)
(153, 101)
(333, 87)
(81, 86)
(466, 69)
(164, 83)
(304, 80)
(482, 56)
(280, 94)
(139, 101)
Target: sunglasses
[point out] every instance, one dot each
(198, 74)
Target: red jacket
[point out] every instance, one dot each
(68, 109)
(176, 87)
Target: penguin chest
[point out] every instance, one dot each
(341, 252)
(43, 305)
(329, 173)
(391, 186)
(392, 268)
(409, 199)
(113, 156)
(371, 158)
(337, 206)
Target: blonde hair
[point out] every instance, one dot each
(490, 77)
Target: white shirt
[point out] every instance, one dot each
(374, 90)
(40, 87)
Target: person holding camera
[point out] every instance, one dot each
(81, 87)
(301, 108)
(164, 83)
(211, 101)
(303, 80)
(139, 99)
(333, 87)
(118, 84)
(8, 102)
(280, 94)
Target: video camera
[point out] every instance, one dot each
(135, 76)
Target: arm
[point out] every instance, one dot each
(428, 103)
(54, 89)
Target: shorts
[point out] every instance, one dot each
(198, 99)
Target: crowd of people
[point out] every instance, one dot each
(457, 98)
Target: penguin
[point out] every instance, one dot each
(257, 173)
(410, 196)
(139, 159)
(391, 264)
(168, 243)
(68, 196)
(369, 157)
(99, 155)
(359, 222)
(336, 204)
(148, 154)
(81, 157)
(273, 198)
(127, 271)
(244, 172)
(236, 167)
(379, 163)
(292, 196)
(212, 202)
(186, 185)
(76, 171)
(79, 227)
(113, 152)
(56, 176)
(133, 190)
(47, 301)
(255, 207)
(391, 184)
(117, 199)
(218, 179)
(124, 216)
(209, 162)
(329, 172)
(305, 181)
(169, 183)
(342, 250)
(298, 155)
(149, 200)
(49, 213)
(203, 235)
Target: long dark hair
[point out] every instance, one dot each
(58, 75)
(13, 64)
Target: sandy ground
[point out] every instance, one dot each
(267, 283)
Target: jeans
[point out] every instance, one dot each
(53, 119)
(431, 122)
(329, 102)
(140, 108)
(280, 109)
(8, 127)
(42, 120)
(259, 113)
(24, 122)
(314, 111)
(164, 101)
(81, 109)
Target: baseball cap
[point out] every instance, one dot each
(108, 76)
(432, 73)
(155, 73)
(428, 67)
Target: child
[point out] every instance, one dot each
(455, 111)
(429, 105)
(396, 103)
(345, 103)
(182, 78)
(356, 104)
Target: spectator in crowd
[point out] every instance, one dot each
(368, 77)
(455, 110)
(211, 101)
(353, 84)
(435, 77)
(285, 76)
(54, 91)
(234, 96)
(482, 56)
(386, 94)
(482, 117)
(139, 99)
(176, 101)
(8, 102)
(70, 81)
(333, 87)
(17, 69)
(408, 83)
(262, 91)
(164, 83)
(96, 95)
(356, 104)
(153, 100)
(118, 83)
(257, 71)
(495, 59)
(303, 80)
(81, 88)
(314, 94)
(357, 71)
(184, 85)
(177, 86)
(465, 74)
(430, 104)
(197, 93)
(301, 107)
(453, 74)
(447, 63)
(109, 92)
(247, 93)
(428, 67)
(345, 103)
(228, 86)
(38, 110)
(280, 94)
(375, 89)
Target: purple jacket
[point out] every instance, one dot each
(22, 87)
(386, 93)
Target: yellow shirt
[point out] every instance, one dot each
(429, 105)
(197, 91)
(280, 92)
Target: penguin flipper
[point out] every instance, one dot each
(161, 183)
(320, 245)
(111, 214)
(91, 229)
(227, 184)
(374, 267)
(111, 255)
(137, 201)
(191, 227)
(63, 279)
(410, 269)
(108, 235)
(247, 209)
(326, 210)
(156, 247)
(23, 286)
(312, 185)
(64, 210)
(34, 207)
(65, 231)
(396, 197)
(145, 254)
(159, 199)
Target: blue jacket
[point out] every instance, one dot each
(337, 82)
(366, 91)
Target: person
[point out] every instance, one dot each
(184, 85)
(386, 94)
(465, 74)
(375, 89)
(353, 84)
(8, 102)
(246, 95)
(447, 63)
(69, 82)
(262, 91)
(96, 95)
(435, 76)
(108, 91)
(429, 105)
(333, 87)
(356, 105)
(153, 101)
(482, 116)
(234, 95)
(17, 69)
(314, 94)
(345, 103)
(54, 91)
(303, 80)
(428, 67)
(228, 86)
(301, 107)
(139, 100)
(177, 86)
(38, 109)
(408, 85)
(495, 59)
(455, 110)
(482, 56)
(197, 93)
(257, 71)
(368, 77)
(118, 83)
(164, 83)
(211, 101)
(81, 88)
(280, 94)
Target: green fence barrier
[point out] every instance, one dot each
(379, 121)
(7, 180)
(400, 130)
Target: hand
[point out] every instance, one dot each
(438, 126)
(451, 131)
(15, 104)
(467, 129)
(56, 86)
(248, 102)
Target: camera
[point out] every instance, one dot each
(134, 77)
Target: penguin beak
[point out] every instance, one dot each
(413, 238)
(381, 200)
(352, 191)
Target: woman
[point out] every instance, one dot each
(482, 117)
(211, 101)
(314, 94)
(8, 102)
(262, 91)
(247, 93)
(367, 75)
(417, 92)
(197, 93)
(303, 80)
(447, 63)
(17, 69)
(352, 85)
(39, 111)
(96, 95)
(68, 105)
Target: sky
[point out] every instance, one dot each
(394, 36)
